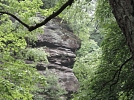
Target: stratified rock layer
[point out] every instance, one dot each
(61, 44)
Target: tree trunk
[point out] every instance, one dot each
(123, 11)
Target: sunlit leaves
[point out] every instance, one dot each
(17, 80)
(11, 42)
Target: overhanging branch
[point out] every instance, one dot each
(24, 24)
(31, 28)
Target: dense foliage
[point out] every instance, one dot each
(17, 79)
(103, 68)
(112, 77)
(116, 68)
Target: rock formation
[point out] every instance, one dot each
(60, 43)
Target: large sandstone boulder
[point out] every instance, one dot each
(61, 44)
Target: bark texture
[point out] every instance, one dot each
(123, 11)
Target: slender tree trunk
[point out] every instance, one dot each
(123, 11)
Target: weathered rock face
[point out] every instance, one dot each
(61, 45)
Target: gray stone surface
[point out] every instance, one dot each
(61, 45)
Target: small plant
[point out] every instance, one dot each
(35, 54)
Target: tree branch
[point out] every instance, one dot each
(31, 28)
(116, 74)
(24, 24)
(117, 71)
